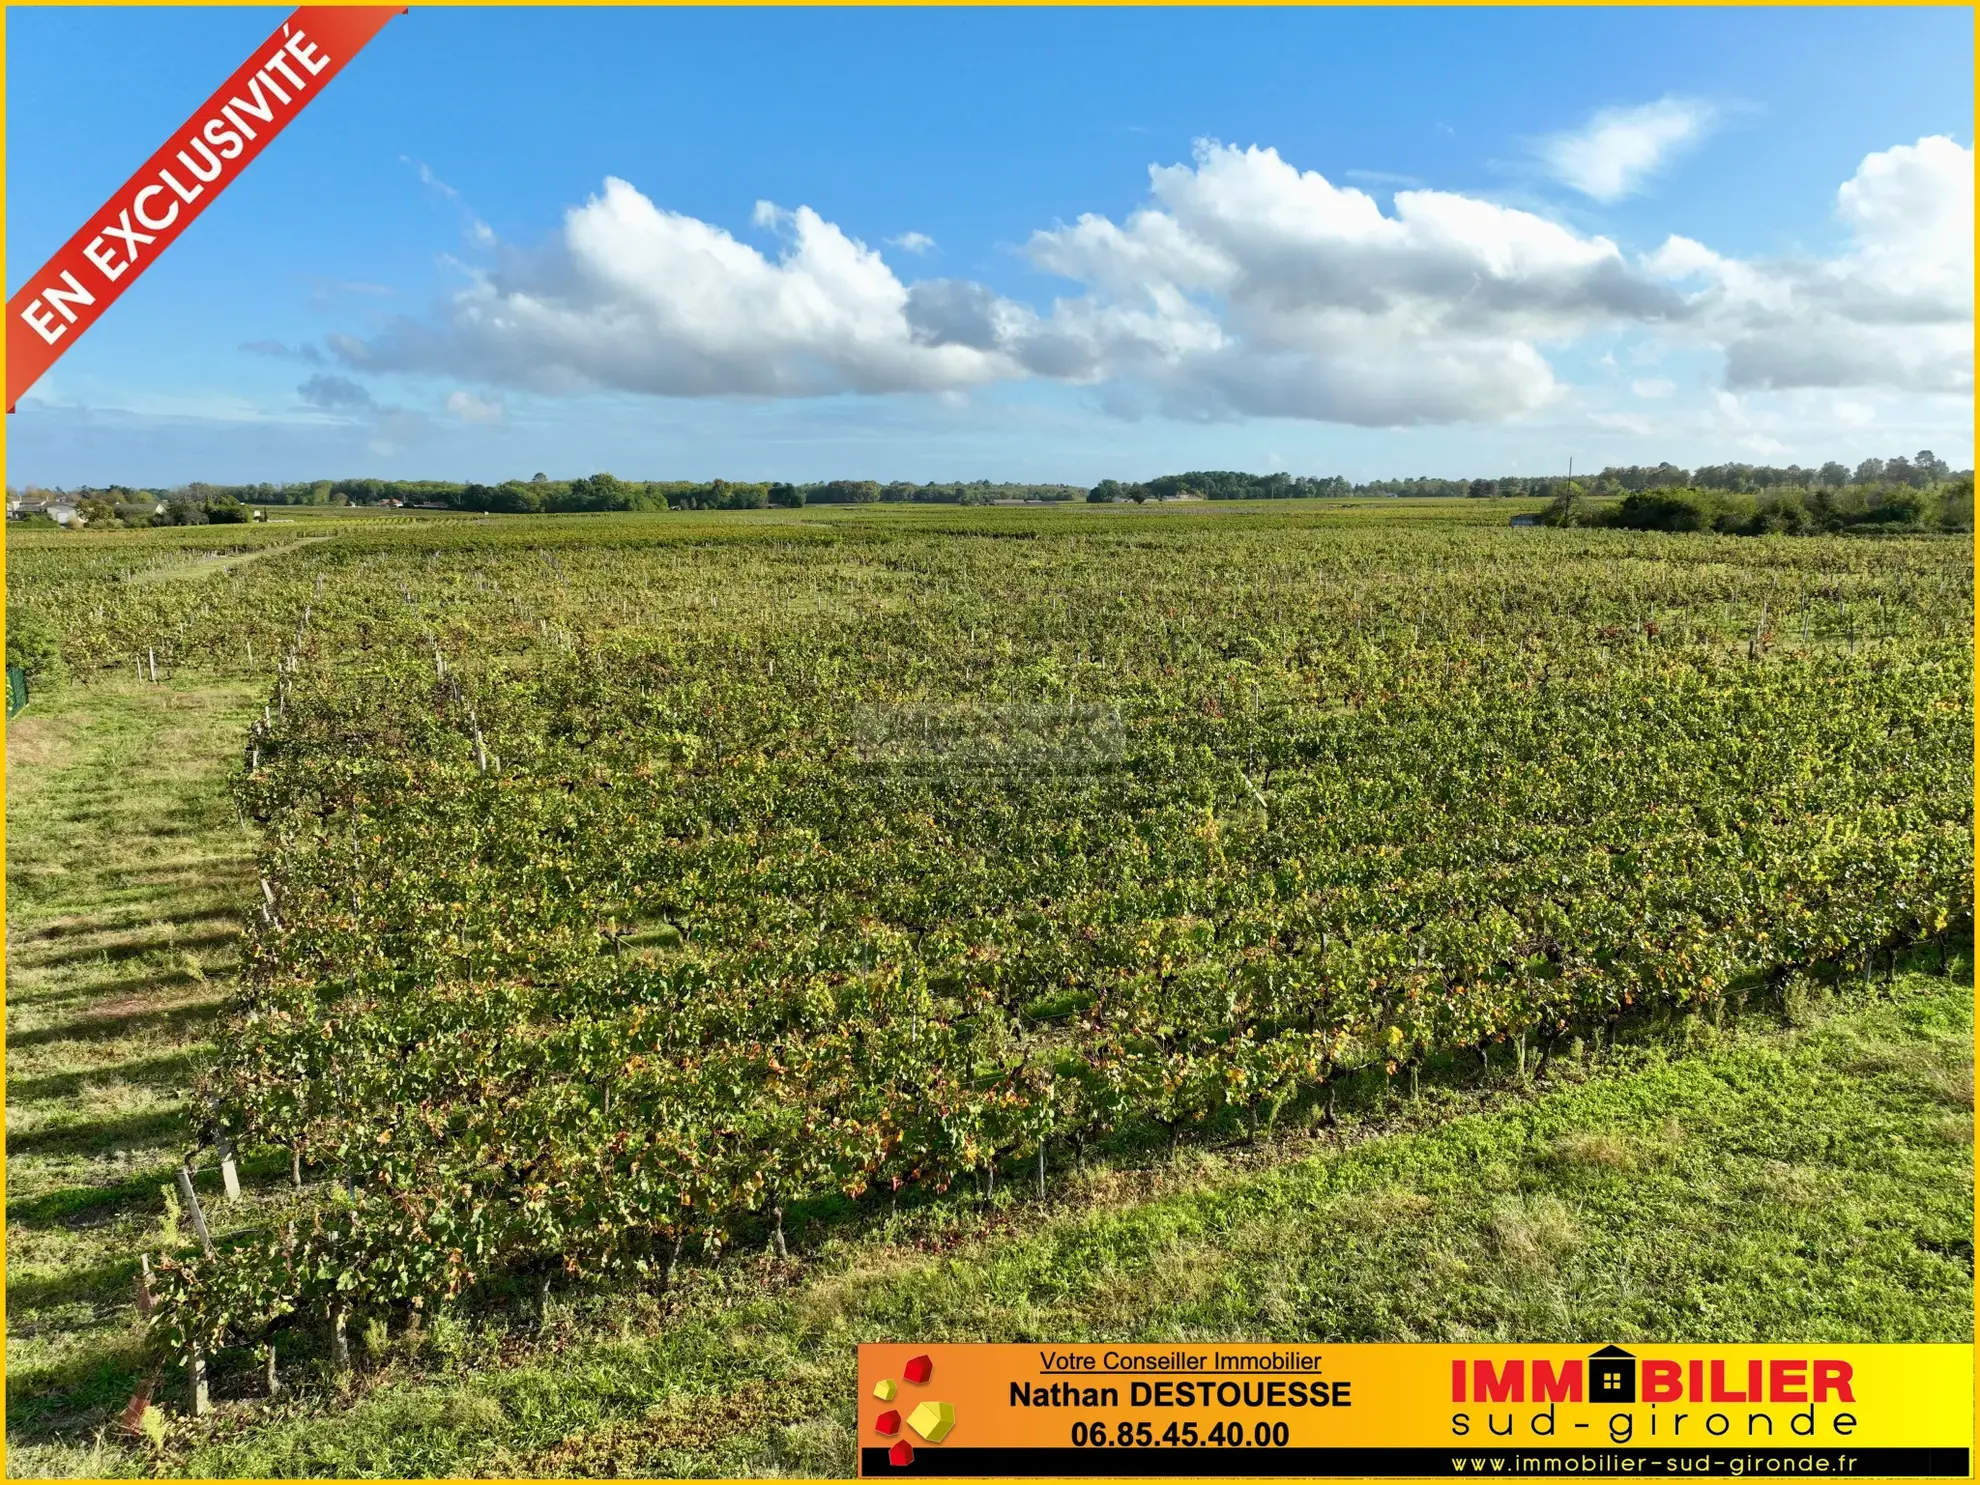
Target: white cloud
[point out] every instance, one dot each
(633, 297)
(1616, 152)
(428, 179)
(1242, 287)
(469, 408)
(478, 231)
(1630, 423)
(1803, 425)
(1250, 287)
(1893, 311)
(913, 242)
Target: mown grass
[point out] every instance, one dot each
(1797, 1177)
(126, 870)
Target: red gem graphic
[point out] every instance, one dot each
(889, 1422)
(918, 1370)
(901, 1453)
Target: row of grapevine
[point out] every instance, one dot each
(623, 891)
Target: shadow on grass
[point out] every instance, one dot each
(152, 1024)
(99, 1136)
(119, 953)
(110, 1282)
(41, 1000)
(77, 1395)
(82, 1206)
(173, 1069)
(217, 898)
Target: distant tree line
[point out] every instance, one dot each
(1221, 484)
(597, 492)
(1717, 496)
(1945, 506)
(1920, 471)
(605, 492)
(1226, 484)
(113, 506)
(198, 501)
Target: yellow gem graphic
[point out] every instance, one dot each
(932, 1420)
(885, 1389)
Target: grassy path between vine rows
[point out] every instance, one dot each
(126, 869)
(1799, 1179)
(211, 565)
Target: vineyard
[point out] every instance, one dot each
(627, 887)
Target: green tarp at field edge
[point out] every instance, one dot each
(17, 689)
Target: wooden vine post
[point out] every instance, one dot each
(230, 1176)
(340, 1340)
(195, 1211)
(199, 1401)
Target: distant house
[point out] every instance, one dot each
(61, 512)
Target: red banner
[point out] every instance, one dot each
(198, 162)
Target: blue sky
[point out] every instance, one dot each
(1379, 242)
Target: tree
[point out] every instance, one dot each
(1833, 474)
(227, 511)
(1956, 509)
(509, 499)
(1567, 508)
(1103, 492)
(599, 492)
(845, 492)
(788, 496)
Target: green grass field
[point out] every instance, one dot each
(125, 872)
(1801, 1170)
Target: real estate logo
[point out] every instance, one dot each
(1612, 1375)
(930, 1420)
(1308, 1409)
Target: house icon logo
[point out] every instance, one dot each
(1612, 1376)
